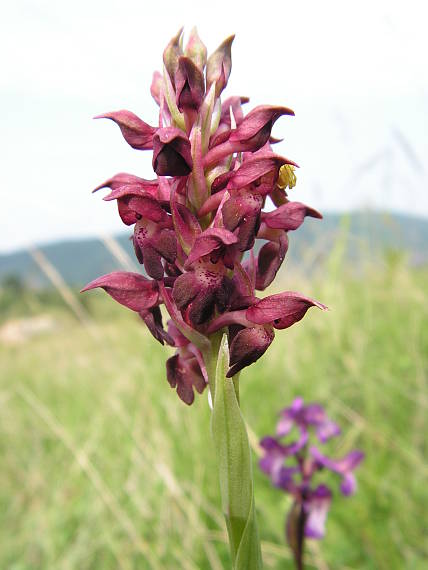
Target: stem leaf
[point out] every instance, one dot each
(236, 477)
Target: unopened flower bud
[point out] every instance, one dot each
(219, 66)
(196, 49)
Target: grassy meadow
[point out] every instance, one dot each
(102, 467)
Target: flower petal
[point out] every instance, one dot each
(185, 375)
(282, 309)
(189, 85)
(208, 241)
(128, 181)
(153, 319)
(269, 261)
(343, 466)
(233, 104)
(135, 207)
(186, 225)
(327, 430)
(129, 289)
(243, 210)
(136, 132)
(255, 168)
(156, 87)
(256, 127)
(348, 485)
(290, 216)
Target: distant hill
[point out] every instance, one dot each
(367, 233)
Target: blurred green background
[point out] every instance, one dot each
(103, 467)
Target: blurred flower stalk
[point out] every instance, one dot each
(195, 229)
(293, 466)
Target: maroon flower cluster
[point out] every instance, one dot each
(196, 224)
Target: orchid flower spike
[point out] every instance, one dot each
(201, 231)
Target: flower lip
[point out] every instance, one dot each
(153, 320)
(171, 152)
(248, 345)
(317, 507)
(269, 261)
(184, 374)
(200, 292)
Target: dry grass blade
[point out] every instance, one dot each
(117, 251)
(86, 466)
(58, 282)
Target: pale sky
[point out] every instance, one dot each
(355, 73)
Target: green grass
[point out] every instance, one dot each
(102, 467)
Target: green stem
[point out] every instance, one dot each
(235, 468)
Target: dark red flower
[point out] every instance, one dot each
(260, 172)
(248, 345)
(171, 153)
(189, 85)
(184, 374)
(255, 130)
(214, 242)
(281, 310)
(152, 243)
(242, 211)
(289, 216)
(269, 261)
(200, 292)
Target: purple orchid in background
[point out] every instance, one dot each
(196, 225)
(292, 466)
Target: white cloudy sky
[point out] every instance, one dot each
(354, 72)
